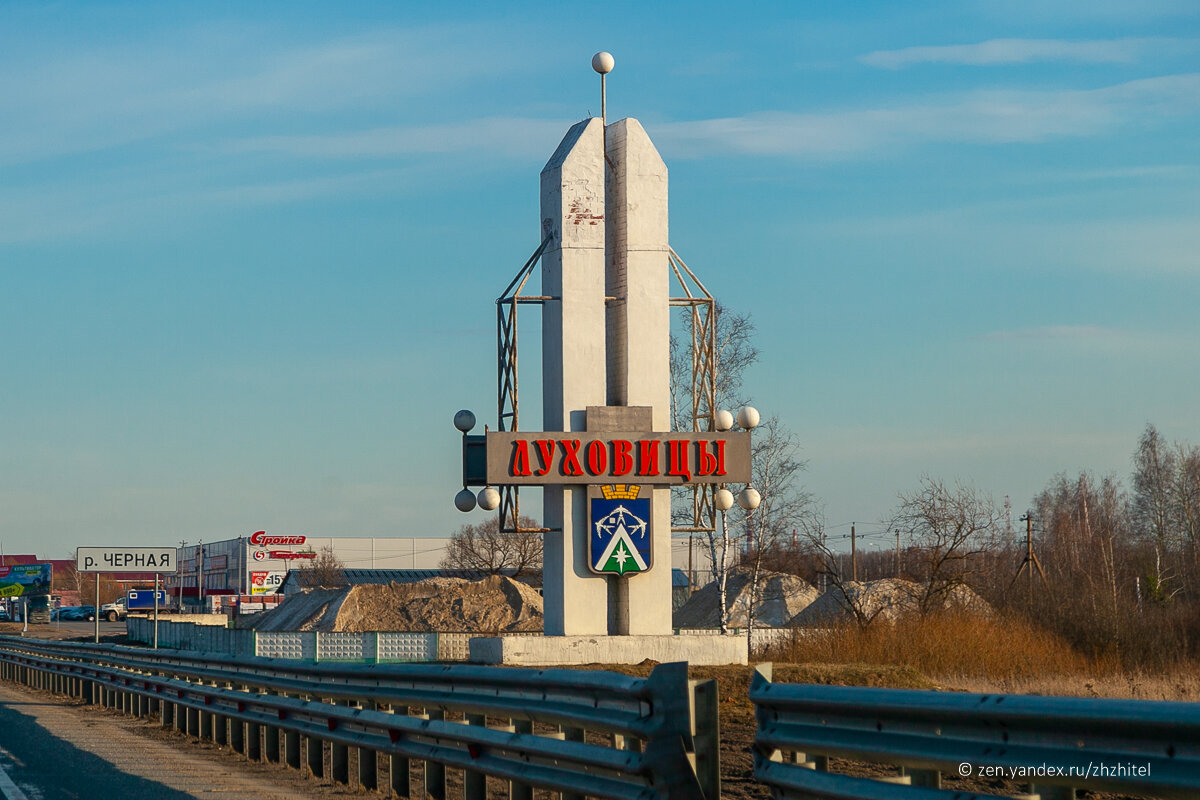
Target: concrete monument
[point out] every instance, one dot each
(606, 454)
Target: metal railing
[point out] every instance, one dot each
(1053, 744)
(574, 732)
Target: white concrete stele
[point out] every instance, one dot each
(605, 342)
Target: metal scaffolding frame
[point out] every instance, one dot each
(703, 378)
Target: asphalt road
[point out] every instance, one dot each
(51, 749)
(65, 630)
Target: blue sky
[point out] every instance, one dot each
(249, 252)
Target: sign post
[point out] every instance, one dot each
(126, 559)
(156, 578)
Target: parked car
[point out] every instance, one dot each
(77, 613)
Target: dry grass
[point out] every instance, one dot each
(995, 648)
(988, 654)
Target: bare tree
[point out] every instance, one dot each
(1185, 489)
(483, 548)
(1153, 472)
(828, 565)
(775, 470)
(947, 529)
(326, 571)
(735, 352)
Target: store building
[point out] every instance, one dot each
(258, 563)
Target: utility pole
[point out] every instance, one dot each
(853, 554)
(897, 554)
(1031, 560)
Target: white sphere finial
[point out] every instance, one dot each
(603, 62)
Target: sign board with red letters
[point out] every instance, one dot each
(576, 457)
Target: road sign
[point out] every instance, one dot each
(125, 559)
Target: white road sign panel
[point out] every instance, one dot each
(125, 559)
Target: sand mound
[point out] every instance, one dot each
(446, 605)
(783, 596)
(884, 599)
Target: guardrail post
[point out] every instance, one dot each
(291, 748)
(1052, 792)
(253, 741)
(929, 778)
(237, 736)
(271, 743)
(221, 726)
(435, 773)
(193, 722)
(668, 742)
(706, 736)
(314, 756)
(398, 766)
(368, 767)
(475, 782)
(572, 735)
(520, 791)
(206, 724)
(339, 760)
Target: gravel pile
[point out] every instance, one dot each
(446, 605)
(782, 597)
(884, 599)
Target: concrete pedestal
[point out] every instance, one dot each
(533, 651)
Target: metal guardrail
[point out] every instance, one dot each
(1054, 744)
(574, 732)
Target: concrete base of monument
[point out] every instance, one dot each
(534, 651)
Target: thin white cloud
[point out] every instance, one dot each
(1095, 339)
(985, 117)
(1024, 51)
(1054, 332)
(508, 136)
(112, 95)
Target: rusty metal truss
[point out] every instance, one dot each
(703, 377)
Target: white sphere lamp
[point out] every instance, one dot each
(464, 420)
(723, 499)
(723, 420)
(464, 501)
(749, 498)
(748, 418)
(489, 499)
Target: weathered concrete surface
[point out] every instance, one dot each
(573, 357)
(550, 650)
(639, 330)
